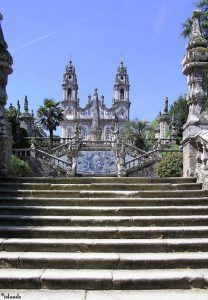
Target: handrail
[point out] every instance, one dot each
(55, 161)
(135, 148)
(145, 158)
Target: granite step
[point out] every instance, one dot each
(103, 211)
(106, 202)
(91, 260)
(103, 245)
(88, 180)
(110, 232)
(103, 279)
(62, 220)
(104, 193)
(101, 186)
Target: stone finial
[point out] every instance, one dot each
(102, 99)
(166, 105)
(26, 104)
(96, 131)
(11, 106)
(18, 106)
(196, 28)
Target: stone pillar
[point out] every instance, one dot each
(195, 66)
(164, 121)
(5, 70)
(96, 132)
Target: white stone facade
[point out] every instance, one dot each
(74, 114)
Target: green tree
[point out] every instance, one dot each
(179, 113)
(134, 133)
(203, 6)
(18, 134)
(19, 167)
(150, 141)
(171, 165)
(50, 115)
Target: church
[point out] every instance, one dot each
(95, 120)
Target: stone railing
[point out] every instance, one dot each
(62, 149)
(23, 153)
(141, 161)
(146, 159)
(99, 145)
(133, 151)
(45, 158)
(200, 143)
(51, 160)
(44, 142)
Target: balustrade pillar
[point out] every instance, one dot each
(5, 70)
(195, 66)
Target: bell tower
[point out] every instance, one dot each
(121, 92)
(70, 91)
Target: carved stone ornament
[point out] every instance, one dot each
(195, 65)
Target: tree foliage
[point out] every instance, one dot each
(50, 115)
(171, 165)
(19, 167)
(18, 134)
(179, 114)
(134, 133)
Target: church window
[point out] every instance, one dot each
(69, 133)
(84, 134)
(69, 93)
(107, 134)
(121, 94)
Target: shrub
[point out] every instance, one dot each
(19, 167)
(171, 165)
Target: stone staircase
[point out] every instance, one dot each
(103, 233)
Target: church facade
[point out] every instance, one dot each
(96, 119)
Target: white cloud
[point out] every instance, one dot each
(160, 18)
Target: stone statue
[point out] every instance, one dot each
(166, 105)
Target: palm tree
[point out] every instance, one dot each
(50, 115)
(134, 133)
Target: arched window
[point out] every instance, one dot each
(121, 94)
(121, 132)
(69, 132)
(69, 93)
(84, 134)
(107, 134)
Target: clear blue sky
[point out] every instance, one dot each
(42, 34)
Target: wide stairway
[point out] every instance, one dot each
(103, 233)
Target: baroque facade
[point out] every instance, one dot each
(95, 120)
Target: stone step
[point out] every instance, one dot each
(54, 220)
(91, 260)
(87, 180)
(99, 202)
(101, 186)
(118, 232)
(103, 279)
(104, 194)
(103, 211)
(104, 245)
